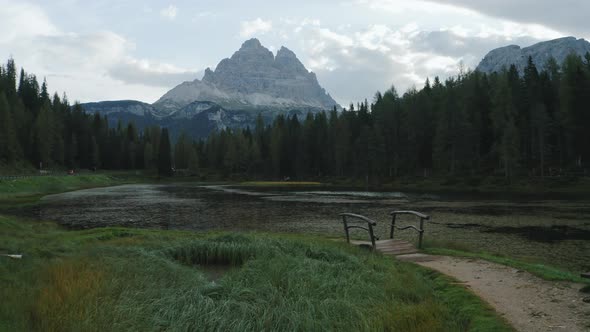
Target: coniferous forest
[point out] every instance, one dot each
(503, 124)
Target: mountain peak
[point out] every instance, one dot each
(251, 43)
(285, 52)
(254, 79)
(541, 52)
(251, 52)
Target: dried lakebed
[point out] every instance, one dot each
(552, 231)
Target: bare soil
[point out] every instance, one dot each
(526, 301)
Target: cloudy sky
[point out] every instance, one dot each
(132, 49)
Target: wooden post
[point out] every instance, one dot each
(421, 233)
(392, 226)
(372, 236)
(346, 229)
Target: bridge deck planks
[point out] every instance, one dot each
(390, 247)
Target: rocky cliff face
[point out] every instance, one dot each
(559, 49)
(253, 78)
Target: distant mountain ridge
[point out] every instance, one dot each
(197, 119)
(560, 48)
(252, 81)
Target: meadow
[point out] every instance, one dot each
(127, 278)
(131, 279)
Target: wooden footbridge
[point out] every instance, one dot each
(391, 246)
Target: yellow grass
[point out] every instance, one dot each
(72, 287)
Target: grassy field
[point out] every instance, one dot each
(572, 186)
(129, 279)
(43, 185)
(21, 192)
(132, 279)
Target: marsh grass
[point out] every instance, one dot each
(126, 279)
(18, 190)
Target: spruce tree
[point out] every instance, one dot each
(193, 161)
(9, 147)
(164, 155)
(181, 151)
(148, 156)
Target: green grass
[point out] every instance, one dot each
(570, 186)
(24, 192)
(43, 185)
(131, 279)
(540, 270)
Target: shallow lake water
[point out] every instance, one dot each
(539, 230)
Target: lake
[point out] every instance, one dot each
(554, 230)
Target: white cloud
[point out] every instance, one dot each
(169, 12)
(357, 48)
(87, 66)
(415, 6)
(203, 15)
(569, 16)
(352, 64)
(257, 26)
(145, 72)
(23, 20)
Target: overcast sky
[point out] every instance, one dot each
(132, 49)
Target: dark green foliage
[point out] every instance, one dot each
(164, 155)
(182, 150)
(9, 147)
(474, 124)
(50, 133)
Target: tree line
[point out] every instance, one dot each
(47, 132)
(506, 123)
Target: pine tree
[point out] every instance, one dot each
(10, 79)
(181, 151)
(573, 97)
(509, 148)
(276, 143)
(44, 93)
(72, 152)
(164, 155)
(505, 130)
(94, 153)
(9, 147)
(44, 135)
(193, 161)
(148, 156)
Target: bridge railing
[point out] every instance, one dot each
(420, 229)
(357, 218)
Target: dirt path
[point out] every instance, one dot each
(527, 302)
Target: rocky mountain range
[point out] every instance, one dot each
(559, 49)
(253, 81)
(253, 78)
